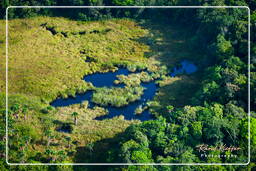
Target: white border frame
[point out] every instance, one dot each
(169, 164)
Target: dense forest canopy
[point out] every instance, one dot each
(216, 114)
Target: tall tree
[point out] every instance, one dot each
(75, 115)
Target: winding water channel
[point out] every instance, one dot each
(107, 80)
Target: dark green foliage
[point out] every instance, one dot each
(222, 98)
(218, 115)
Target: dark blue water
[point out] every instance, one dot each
(73, 100)
(107, 79)
(98, 80)
(186, 67)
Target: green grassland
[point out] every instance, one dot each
(47, 65)
(48, 57)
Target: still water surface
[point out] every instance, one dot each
(107, 79)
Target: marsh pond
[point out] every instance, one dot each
(107, 80)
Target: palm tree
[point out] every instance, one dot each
(24, 111)
(27, 139)
(90, 147)
(48, 134)
(75, 114)
(22, 146)
(68, 140)
(51, 153)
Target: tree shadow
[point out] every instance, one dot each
(179, 92)
(63, 126)
(169, 43)
(98, 152)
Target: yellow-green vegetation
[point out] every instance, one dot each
(139, 110)
(48, 57)
(87, 129)
(134, 79)
(117, 96)
(47, 65)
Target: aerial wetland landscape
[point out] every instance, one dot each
(130, 88)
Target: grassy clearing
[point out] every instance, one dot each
(47, 65)
(48, 57)
(88, 130)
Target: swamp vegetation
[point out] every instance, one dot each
(57, 114)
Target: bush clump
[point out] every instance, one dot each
(117, 96)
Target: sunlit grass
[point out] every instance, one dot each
(89, 130)
(47, 65)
